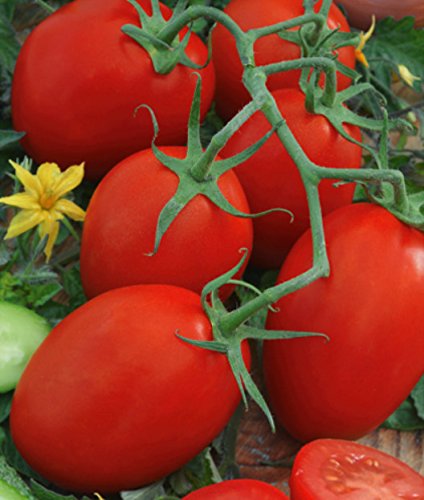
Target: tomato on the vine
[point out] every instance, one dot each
(231, 94)
(114, 400)
(76, 96)
(370, 307)
(271, 179)
(238, 489)
(330, 469)
(202, 242)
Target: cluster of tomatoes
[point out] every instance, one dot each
(113, 399)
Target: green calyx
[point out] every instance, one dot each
(381, 185)
(200, 171)
(316, 39)
(165, 55)
(229, 335)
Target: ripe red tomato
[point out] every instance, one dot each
(75, 96)
(202, 243)
(237, 489)
(330, 469)
(113, 399)
(231, 94)
(370, 307)
(270, 177)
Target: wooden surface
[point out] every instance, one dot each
(267, 456)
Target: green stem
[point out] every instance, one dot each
(254, 79)
(394, 177)
(325, 8)
(200, 169)
(319, 63)
(48, 8)
(319, 22)
(194, 12)
(237, 317)
(71, 230)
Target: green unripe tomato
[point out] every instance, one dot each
(21, 332)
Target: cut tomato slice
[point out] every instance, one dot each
(327, 469)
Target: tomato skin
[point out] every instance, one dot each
(113, 400)
(271, 179)
(81, 103)
(236, 489)
(370, 307)
(329, 469)
(202, 243)
(231, 94)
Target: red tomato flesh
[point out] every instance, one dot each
(330, 469)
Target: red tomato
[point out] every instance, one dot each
(113, 399)
(238, 489)
(231, 94)
(202, 243)
(331, 469)
(271, 179)
(75, 96)
(370, 307)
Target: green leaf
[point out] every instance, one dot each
(405, 418)
(43, 493)
(32, 294)
(9, 137)
(11, 478)
(199, 472)
(73, 287)
(394, 43)
(9, 44)
(417, 395)
(151, 492)
(15, 459)
(5, 403)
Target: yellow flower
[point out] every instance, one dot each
(364, 37)
(406, 75)
(42, 203)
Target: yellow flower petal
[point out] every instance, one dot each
(30, 182)
(40, 203)
(21, 200)
(24, 221)
(52, 230)
(70, 209)
(68, 180)
(48, 174)
(363, 39)
(406, 75)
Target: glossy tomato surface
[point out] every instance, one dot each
(238, 489)
(76, 96)
(370, 307)
(271, 179)
(231, 94)
(335, 469)
(202, 243)
(113, 399)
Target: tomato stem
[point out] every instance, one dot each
(48, 8)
